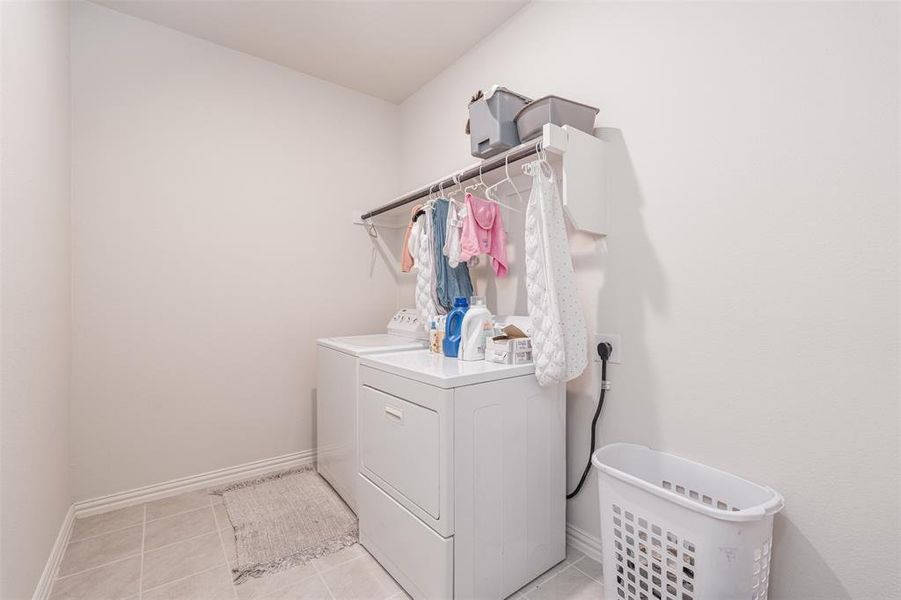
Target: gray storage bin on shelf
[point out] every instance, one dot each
(532, 117)
(492, 128)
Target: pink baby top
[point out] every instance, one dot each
(483, 233)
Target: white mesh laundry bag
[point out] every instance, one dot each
(559, 335)
(423, 256)
(673, 529)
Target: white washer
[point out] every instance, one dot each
(462, 490)
(336, 395)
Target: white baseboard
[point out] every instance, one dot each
(147, 493)
(45, 583)
(584, 542)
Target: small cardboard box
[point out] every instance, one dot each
(513, 347)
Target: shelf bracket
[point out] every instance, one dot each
(584, 187)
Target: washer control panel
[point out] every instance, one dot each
(408, 323)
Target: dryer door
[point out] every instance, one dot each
(401, 442)
(405, 443)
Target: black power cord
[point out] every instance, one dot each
(604, 351)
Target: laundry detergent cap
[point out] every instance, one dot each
(460, 301)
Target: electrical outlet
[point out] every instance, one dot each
(615, 340)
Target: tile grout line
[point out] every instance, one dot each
(554, 576)
(224, 553)
(187, 539)
(325, 583)
(183, 512)
(141, 572)
(317, 572)
(141, 552)
(587, 575)
(320, 572)
(340, 564)
(287, 585)
(569, 565)
(106, 564)
(177, 579)
(97, 535)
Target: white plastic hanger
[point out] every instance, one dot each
(370, 228)
(489, 192)
(430, 200)
(479, 182)
(459, 190)
(542, 163)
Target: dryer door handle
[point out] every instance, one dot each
(394, 413)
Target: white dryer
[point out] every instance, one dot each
(462, 489)
(336, 395)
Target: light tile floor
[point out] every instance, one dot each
(181, 548)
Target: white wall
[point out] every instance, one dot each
(34, 288)
(212, 243)
(752, 269)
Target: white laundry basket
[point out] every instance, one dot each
(673, 529)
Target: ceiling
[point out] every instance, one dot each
(385, 48)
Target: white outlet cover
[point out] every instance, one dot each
(615, 340)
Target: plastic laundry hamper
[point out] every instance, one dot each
(673, 529)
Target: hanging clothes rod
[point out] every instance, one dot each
(518, 153)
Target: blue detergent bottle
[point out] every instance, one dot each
(452, 327)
